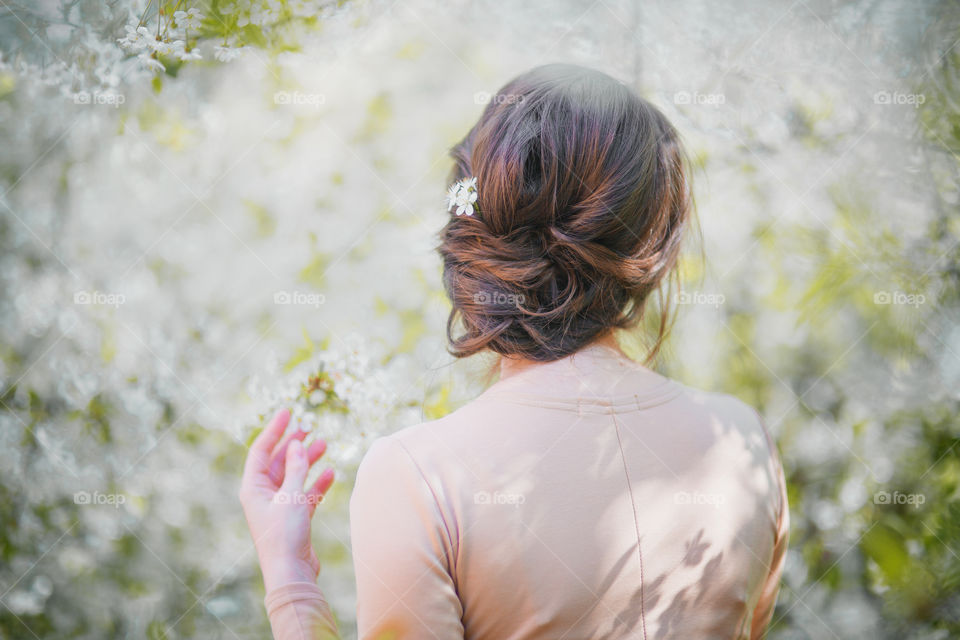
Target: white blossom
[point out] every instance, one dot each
(168, 47)
(452, 193)
(225, 53)
(192, 54)
(463, 195)
(190, 19)
(151, 63)
(137, 38)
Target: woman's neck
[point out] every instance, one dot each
(510, 366)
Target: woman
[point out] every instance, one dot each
(582, 495)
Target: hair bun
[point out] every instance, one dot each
(583, 199)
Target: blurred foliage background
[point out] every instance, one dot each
(190, 211)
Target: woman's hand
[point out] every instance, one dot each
(277, 508)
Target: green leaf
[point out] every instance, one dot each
(888, 549)
(314, 273)
(264, 220)
(303, 353)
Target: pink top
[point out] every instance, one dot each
(588, 497)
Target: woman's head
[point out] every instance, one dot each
(582, 202)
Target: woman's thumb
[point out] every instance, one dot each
(296, 467)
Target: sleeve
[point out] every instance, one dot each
(402, 551)
(298, 611)
(763, 612)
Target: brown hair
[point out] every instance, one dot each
(582, 202)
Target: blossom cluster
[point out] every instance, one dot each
(178, 38)
(339, 394)
(171, 42)
(463, 196)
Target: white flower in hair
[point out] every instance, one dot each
(462, 195)
(465, 200)
(452, 195)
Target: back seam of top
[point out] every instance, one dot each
(636, 521)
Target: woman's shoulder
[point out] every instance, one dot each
(721, 403)
(477, 427)
(730, 414)
(440, 432)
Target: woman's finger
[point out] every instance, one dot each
(270, 435)
(319, 489)
(316, 449)
(259, 455)
(279, 457)
(296, 468)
